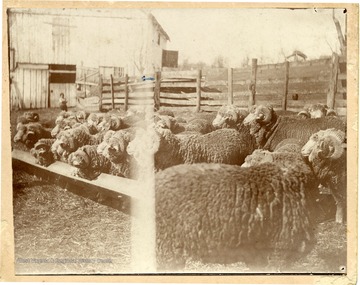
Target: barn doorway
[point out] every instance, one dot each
(62, 79)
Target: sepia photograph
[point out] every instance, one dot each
(190, 140)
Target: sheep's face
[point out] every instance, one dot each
(110, 123)
(31, 116)
(304, 114)
(66, 141)
(93, 120)
(101, 147)
(324, 145)
(165, 122)
(226, 117)
(79, 159)
(81, 117)
(317, 111)
(115, 149)
(261, 114)
(27, 134)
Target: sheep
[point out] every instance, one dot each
(327, 157)
(30, 133)
(229, 116)
(42, 152)
(270, 129)
(109, 122)
(194, 125)
(225, 213)
(70, 140)
(63, 124)
(89, 164)
(226, 146)
(28, 117)
(316, 111)
(289, 145)
(114, 148)
(81, 116)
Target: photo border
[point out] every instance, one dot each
(7, 265)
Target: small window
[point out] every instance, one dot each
(159, 39)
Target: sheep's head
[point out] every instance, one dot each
(31, 116)
(146, 143)
(115, 149)
(81, 116)
(258, 157)
(93, 120)
(331, 112)
(229, 116)
(64, 124)
(165, 122)
(110, 122)
(101, 147)
(317, 110)
(324, 145)
(262, 114)
(28, 134)
(79, 159)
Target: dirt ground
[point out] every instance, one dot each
(58, 232)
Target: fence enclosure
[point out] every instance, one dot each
(287, 86)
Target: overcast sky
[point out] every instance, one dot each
(202, 34)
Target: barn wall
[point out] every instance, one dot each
(30, 86)
(85, 39)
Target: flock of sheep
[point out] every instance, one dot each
(238, 186)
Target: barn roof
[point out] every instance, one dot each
(126, 13)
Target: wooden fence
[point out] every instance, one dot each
(287, 86)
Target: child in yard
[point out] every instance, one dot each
(63, 102)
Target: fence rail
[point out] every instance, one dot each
(287, 86)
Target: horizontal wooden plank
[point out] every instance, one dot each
(341, 111)
(340, 102)
(213, 102)
(342, 76)
(179, 84)
(177, 102)
(177, 95)
(33, 66)
(179, 74)
(86, 83)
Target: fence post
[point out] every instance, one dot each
(286, 85)
(198, 91)
(112, 92)
(330, 102)
(157, 90)
(101, 92)
(126, 100)
(230, 86)
(252, 86)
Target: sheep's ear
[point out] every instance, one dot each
(331, 148)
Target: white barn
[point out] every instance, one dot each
(47, 47)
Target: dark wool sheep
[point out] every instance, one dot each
(270, 129)
(225, 213)
(28, 117)
(42, 152)
(89, 164)
(114, 148)
(326, 154)
(71, 140)
(30, 133)
(226, 146)
(289, 145)
(229, 116)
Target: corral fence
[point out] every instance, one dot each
(287, 86)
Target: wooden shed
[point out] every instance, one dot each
(47, 47)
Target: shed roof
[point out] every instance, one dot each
(125, 13)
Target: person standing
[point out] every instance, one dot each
(63, 102)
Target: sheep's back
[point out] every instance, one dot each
(297, 128)
(221, 146)
(208, 210)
